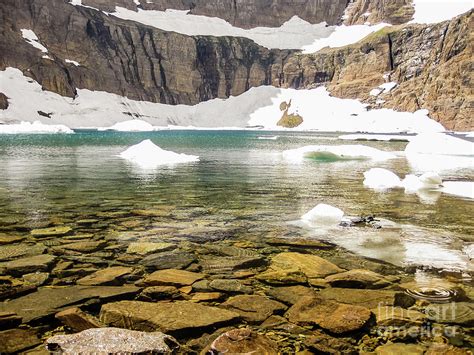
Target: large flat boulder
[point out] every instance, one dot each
(253, 308)
(48, 301)
(13, 341)
(358, 278)
(27, 265)
(291, 263)
(335, 317)
(243, 341)
(108, 276)
(112, 341)
(167, 317)
(367, 298)
(172, 277)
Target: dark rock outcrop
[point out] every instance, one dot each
(3, 101)
(430, 63)
(128, 58)
(394, 12)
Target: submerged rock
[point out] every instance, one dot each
(461, 313)
(398, 317)
(8, 252)
(290, 294)
(82, 247)
(291, 267)
(168, 260)
(326, 344)
(145, 248)
(172, 277)
(78, 320)
(16, 340)
(336, 317)
(178, 316)
(51, 232)
(112, 341)
(108, 276)
(243, 341)
(367, 298)
(358, 278)
(231, 286)
(400, 349)
(253, 308)
(9, 320)
(28, 264)
(47, 301)
(159, 293)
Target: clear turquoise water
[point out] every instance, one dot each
(241, 184)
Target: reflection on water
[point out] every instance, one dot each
(242, 184)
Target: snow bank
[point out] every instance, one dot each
(130, 126)
(293, 34)
(323, 214)
(459, 188)
(439, 143)
(33, 39)
(343, 36)
(381, 179)
(147, 155)
(331, 153)
(375, 137)
(258, 108)
(33, 128)
(433, 11)
(322, 112)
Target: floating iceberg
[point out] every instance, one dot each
(459, 188)
(33, 128)
(427, 181)
(323, 214)
(147, 155)
(439, 143)
(268, 138)
(130, 126)
(376, 137)
(329, 153)
(381, 179)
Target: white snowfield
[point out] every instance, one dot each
(33, 39)
(35, 127)
(258, 108)
(336, 153)
(322, 112)
(433, 11)
(293, 34)
(147, 155)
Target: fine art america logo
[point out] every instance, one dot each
(403, 323)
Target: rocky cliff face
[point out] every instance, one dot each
(394, 12)
(241, 13)
(431, 65)
(127, 58)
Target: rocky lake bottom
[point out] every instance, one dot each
(210, 257)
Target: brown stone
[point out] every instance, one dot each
(371, 299)
(78, 320)
(108, 276)
(9, 320)
(181, 316)
(326, 344)
(358, 278)
(253, 308)
(206, 296)
(290, 294)
(160, 293)
(400, 349)
(16, 340)
(336, 317)
(172, 277)
(243, 341)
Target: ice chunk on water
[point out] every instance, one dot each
(148, 155)
(130, 126)
(459, 188)
(330, 153)
(323, 214)
(439, 143)
(381, 179)
(430, 180)
(33, 128)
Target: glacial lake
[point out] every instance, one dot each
(242, 188)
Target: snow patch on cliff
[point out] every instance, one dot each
(293, 34)
(434, 11)
(33, 39)
(343, 36)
